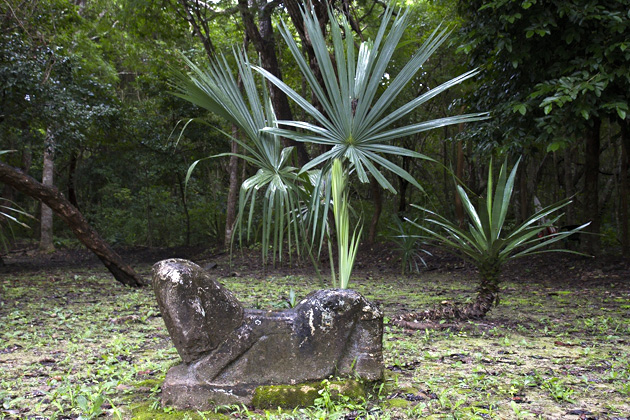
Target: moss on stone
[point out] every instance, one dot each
(148, 383)
(304, 395)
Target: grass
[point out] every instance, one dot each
(78, 344)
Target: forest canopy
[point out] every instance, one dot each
(87, 91)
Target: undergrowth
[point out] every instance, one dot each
(76, 344)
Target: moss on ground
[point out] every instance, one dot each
(304, 395)
(397, 403)
(146, 412)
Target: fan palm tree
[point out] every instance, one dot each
(216, 89)
(358, 122)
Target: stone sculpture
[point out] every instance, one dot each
(229, 351)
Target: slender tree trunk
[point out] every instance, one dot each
(232, 199)
(46, 216)
(403, 185)
(569, 186)
(377, 196)
(459, 173)
(72, 180)
(625, 161)
(262, 37)
(27, 160)
(591, 188)
(75, 221)
(182, 191)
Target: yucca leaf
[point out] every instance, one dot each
(502, 198)
(554, 238)
(470, 210)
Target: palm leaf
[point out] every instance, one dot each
(355, 122)
(216, 89)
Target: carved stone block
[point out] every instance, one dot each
(228, 351)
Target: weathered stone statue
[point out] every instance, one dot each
(229, 351)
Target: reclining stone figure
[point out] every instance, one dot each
(228, 351)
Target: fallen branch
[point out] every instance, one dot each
(75, 221)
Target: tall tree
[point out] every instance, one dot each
(46, 243)
(552, 72)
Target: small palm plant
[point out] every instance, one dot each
(408, 242)
(9, 212)
(216, 89)
(486, 244)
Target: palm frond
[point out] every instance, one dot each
(216, 89)
(354, 121)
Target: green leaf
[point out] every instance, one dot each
(216, 89)
(555, 146)
(621, 113)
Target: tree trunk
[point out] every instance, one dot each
(403, 185)
(182, 191)
(591, 189)
(378, 207)
(569, 185)
(232, 198)
(72, 180)
(625, 161)
(487, 297)
(74, 219)
(262, 38)
(46, 216)
(459, 173)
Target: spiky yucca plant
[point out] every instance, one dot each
(486, 244)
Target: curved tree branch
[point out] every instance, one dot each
(75, 221)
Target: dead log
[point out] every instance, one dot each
(75, 221)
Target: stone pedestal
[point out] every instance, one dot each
(229, 351)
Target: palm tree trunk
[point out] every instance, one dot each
(591, 190)
(487, 298)
(487, 294)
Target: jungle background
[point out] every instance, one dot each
(89, 123)
(86, 93)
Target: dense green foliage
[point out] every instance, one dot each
(91, 79)
(556, 75)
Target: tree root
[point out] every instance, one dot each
(449, 311)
